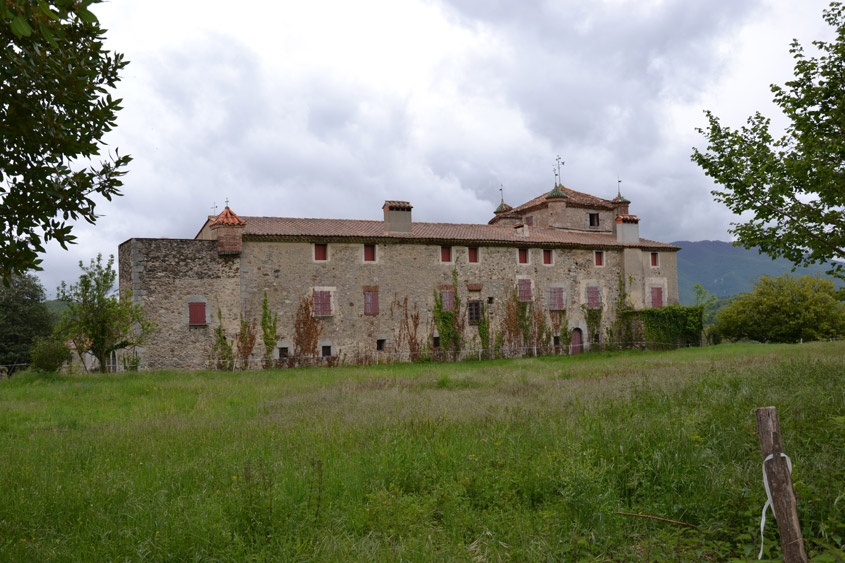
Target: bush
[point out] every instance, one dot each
(49, 354)
(785, 309)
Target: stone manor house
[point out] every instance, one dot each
(564, 252)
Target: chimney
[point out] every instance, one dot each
(397, 216)
(230, 230)
(628, 229)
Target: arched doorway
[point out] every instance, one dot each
(577, 341)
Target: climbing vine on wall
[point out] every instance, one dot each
(306, 330)
(449, 323)
(672, 325)
(409, 325)
(593, 316)
(221, 352)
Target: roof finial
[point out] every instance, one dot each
(227, 203)
(502, 192)
(214, 207)
(618, 187)
(560, 162)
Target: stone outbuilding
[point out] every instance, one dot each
(371, 285)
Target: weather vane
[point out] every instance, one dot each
(618, 186)
(560, 162)
(214, 207)
(227, 203)
(502, 191)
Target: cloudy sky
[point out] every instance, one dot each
(326, 108)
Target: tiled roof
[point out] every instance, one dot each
(288, 228)
(573, 198)
(627, 219)
(397, 205)
(227, 218)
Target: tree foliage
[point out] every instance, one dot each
(23, 318)
(793, 185)
(97, 320)
(785, 309)
(269, 331)
(54, 111)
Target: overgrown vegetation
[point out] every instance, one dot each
(306, 333)
(670, 326)
(521, 460)
(245, 341)
(222, 353)
(269, 332)
(449, 322)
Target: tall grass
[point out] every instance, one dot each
(524, 460)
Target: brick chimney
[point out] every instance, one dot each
(397, 216)
(628, 229)
(230, 229)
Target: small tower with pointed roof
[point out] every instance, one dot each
(229, 228)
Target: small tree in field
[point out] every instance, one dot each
(97, 320)
(269, 331)
(785, 309)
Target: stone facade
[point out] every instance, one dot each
(339, 260)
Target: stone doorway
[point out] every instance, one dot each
(577, 341)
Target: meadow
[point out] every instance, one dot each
(507, 460)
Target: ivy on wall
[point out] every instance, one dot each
(675, 325)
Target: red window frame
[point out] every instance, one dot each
(556, 299)
(654, 260)
(599, 257)
(547, 256)
(322, 303)
(321, 252)
(371, 303)
(656, 297)
(447, 298)
(445, 253)
(523, 256)
(593, 297)
(472, 254)
(369, 253)
(196, 313)
(523, 290)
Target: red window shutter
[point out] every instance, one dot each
(448, 298)
(547, 256)
(654, 259)
(523, 256)
(371, 302)
(656, 297)
(593, 297)
(524, 290)
(196, 313)
(322, 303)
(556, 299)
(369, 253)
(445, 253)
(529, 220)
(321, 252)
(599, 258)
(473, 254)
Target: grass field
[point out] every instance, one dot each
(522, 460)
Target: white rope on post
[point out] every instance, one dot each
(769, 497)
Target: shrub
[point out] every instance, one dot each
(49, 354)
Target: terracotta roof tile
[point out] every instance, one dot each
(572, 198)
(397, 205)
(627, 219)
(227, 218)
(290, 228)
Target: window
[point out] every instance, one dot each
(523, 256)
(447, 297)
(594, 219)
(593, 297)
(322, 303)
(321, 252)
(326, 351)
(445, 253)
(547, 256)
(284, 352)
(380, 345)
(371, 302)
(435, 342)
(599, 258)
(472, 254)
(196, 313)
(654, 260)
(529, 221)
(656, 297)
(474, 311)
(556, 341)
(369, 253)
(556, 299)
(490, 300)
(524, 290)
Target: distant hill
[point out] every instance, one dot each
(725, 269)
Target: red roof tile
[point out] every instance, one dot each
(572, 198)
(289, 228)
(227, 218)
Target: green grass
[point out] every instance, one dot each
(522, 460)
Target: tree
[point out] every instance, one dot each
(269, 331)
(785, 309)
(96, 319)
(54, 112)
(795, 185)
(23, 318)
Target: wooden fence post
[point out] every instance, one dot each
(784, 504)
